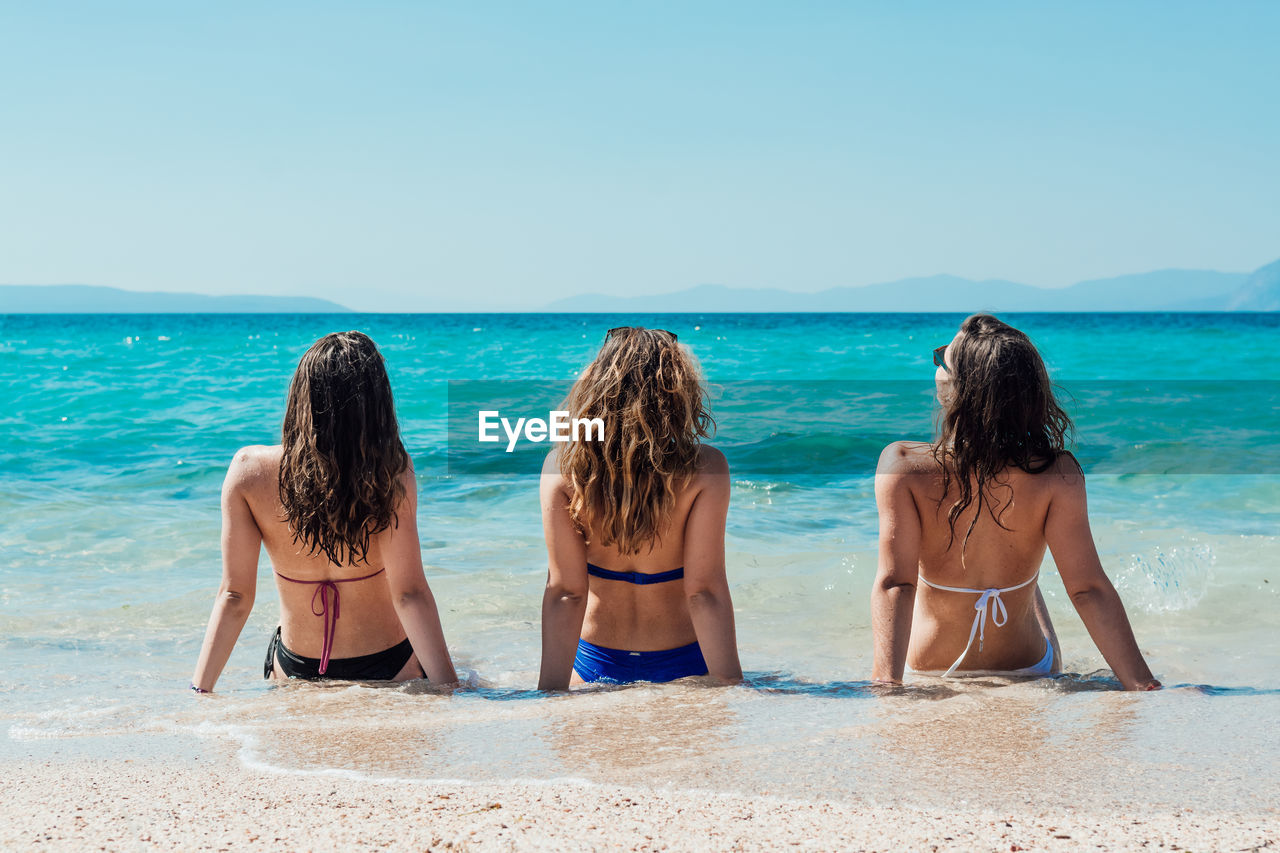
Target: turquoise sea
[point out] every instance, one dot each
(115, 431)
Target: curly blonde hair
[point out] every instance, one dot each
(650, 394)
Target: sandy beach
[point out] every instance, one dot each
(215, 804)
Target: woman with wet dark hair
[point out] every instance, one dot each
(965, 522)
(335, 505)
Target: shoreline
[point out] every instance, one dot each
(213, 802)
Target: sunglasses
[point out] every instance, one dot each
(623, 329)
(940, 357)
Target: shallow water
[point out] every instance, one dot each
(115, 432)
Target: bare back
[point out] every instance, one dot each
(368, 622)
(996, 556)
(642, 617)
(649, 617)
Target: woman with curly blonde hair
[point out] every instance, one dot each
(635, 524)
(335, 505)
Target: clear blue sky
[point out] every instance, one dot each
(408, 156)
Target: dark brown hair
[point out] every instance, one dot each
(1000, 412)
(649, 392)
(340, 474)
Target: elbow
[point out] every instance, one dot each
(235, 602)
(886, 584)
(1084, 596)
(566, 594)
(702, 598)
(410, 597)
(1081, 597)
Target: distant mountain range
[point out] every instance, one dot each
(1261, 292)
(1164, 290)
(89, 299)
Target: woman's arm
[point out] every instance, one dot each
(410, 595)
(564, 602)
(894, 592)
(241, 542)
(1070, 540)
(706, 585)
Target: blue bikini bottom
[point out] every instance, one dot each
(1044, 667)
(596, 663)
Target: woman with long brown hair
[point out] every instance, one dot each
(635, 525)
(335, 505)
(965, 522)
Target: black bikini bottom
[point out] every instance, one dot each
(379, 666)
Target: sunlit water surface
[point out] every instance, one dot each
(115, 432)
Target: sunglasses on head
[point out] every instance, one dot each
(624, 329)
(940, 357)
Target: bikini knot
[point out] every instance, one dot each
(330, 606)
(989, 603)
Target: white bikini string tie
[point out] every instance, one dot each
(989, 601)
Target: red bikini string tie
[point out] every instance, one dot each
(330, 608)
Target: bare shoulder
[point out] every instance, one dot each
(551, 463)
(907, 458)
(710, 484)
(254, 465)
(553, 485)
(1065, 479)
(1066, 473)
(712, 462)
(409, 477)
(552, 476)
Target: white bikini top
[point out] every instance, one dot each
(988, 602)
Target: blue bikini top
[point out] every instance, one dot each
(636, 577)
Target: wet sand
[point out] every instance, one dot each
(963, 767)
(214, 803)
